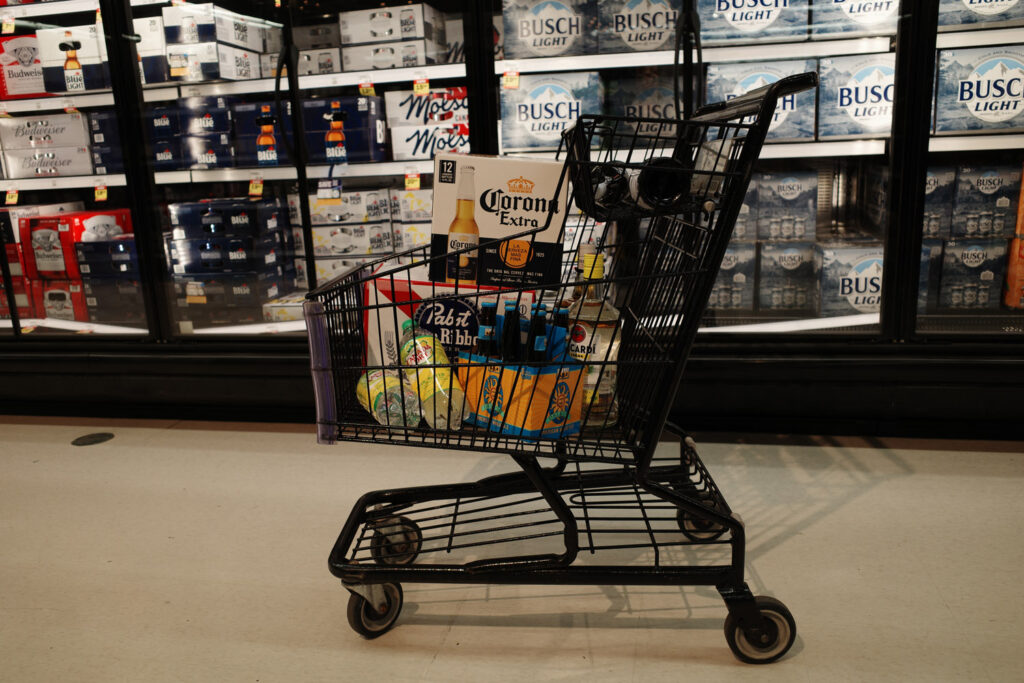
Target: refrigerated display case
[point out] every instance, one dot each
(260, 167)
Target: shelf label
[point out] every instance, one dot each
(69, 106)
(12, 196)
(4, 114)
(412, 180)
(256, 186)
(192, 90)
(8, 24)
(510, 81)
(101, 193)
(421, 87)
(329, 191)
(366, 88)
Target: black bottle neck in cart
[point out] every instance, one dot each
(585, 249)
(536, 339)
(486, 344)
(510, 334)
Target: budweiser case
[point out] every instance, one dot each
(21, 71)
(60, 300)
(51, 239)
(48, 161)
(980, 89)
(43, 130)
(9, 216)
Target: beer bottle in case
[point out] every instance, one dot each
(485, 345)
(266, 143)
(537, 338)
(334, 140)
(510, 334)
(463, 233)
(74, 79)
(577, 290)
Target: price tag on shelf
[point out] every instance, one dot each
(12, 196)
(256, 186)
(366, 88)
(412, 180)
(69, 106)
(4, 114)
(510, 80)
(8, 24)
(421, 87)
(329, 190)
(192, 91)
(101, 193)
(99, 16)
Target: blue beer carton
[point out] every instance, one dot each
(752, 20)
(162, 122)
(856, 95)
(115, 258)
(252, 147)
(788, 277)
(102, 127)
(205, 115)
(986, 201)
(831, 18)
(239, 217)
(734, 286)
(223, 254)
(364, 126)
(248, 116)
(208, 151)
(549, 28)
(876, 196)
(546, 105)
(939, 188)
(980, 89)
(642, 93)
(107, 160)
(851, 279)
(167, 155)
(794, 114)
(787, 205)
(637, 25)
(114, 301)
(988, 12)
(931, 272)
(236, 290)
(973, 271)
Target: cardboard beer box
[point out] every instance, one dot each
(1014, 297)
(114, 301)
(986, 201)
(223, 255)
(851, 279)
(10, 230)
(316, 36)
(74, 59)
(440, 105)
(931, 271)
(637, 25)
(549, 28)
(991, 13)
(236, 290)
(238, 217)
(787, 205)
(411, 143)
(268, 65)
(409, 235)
(208, 151)
(211, 61)
(509, 198)
(350, 241)
(642, 93)
(362, 122)
(391, 55)
(49, 241)
(794, 114)
(106, 160)
(386, 24)
(856, 95)
(207, 23)
(43, 162)
(411, 206)
(545, 105)
(15, 257)
(875, 200)
(365, 206)
(455, 50)
(980, 89)
(325, 60)
(205, 115)
(151, 49)
(287, 308)
(21, 70)
(745, 227)
(23, 299)
(162, 122)
(939, 188)
(60, 300)
(43, 130)
(110, 258)
(752, 20)
(167, 155)
(973, 271)
(834, 18)
(734, 286)
(102, 128)
(788, 278)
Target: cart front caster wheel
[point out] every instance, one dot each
(696, 529)
(371, 621)
(396, 547)
(776, 640)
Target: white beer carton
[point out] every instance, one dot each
(856, 96)
(412, 206)
(439, 105)
(986, 201)
(988, 12)
(316, 36)
(43, 131)
(637, 25)
(366, 206)
(348, 241)
(545, 105)
(794, 114)
(48, 161)
(787, 205)
(549, 28)
(320, 61)
(386, 24)
(980, 89)
(410, 143)
(854, 17)
(59, 48)
(152, 50)
(21, 71)
(752, 20)
(287, 308)
(210, 61)
(202, 23)
(391, 55)
(851, 279)
(512, 196)
(788, 277)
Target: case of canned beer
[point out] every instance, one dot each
(637, 25)
(386, 24)
(746, 21)
(74, 59)
(366, 206)
(986, 201)
(440, 105)
(456, 50)
(853, 17)
(391, 55)
(40, 162)
(10, 230)
(542, 28)
(43, 131)
(316, 36)
(734, 287)
(535, 115)
(411, 206)
(206, 23)
(193, 62)
(115, 258)
(21, 71)
(851, 279)
(641, 93)
(972, 273)
(794, 114)
(208, 151)
(787, 205)
(152, 50)
(50, 240)
(424, 142)
(856, 95)
(60, 300)
(980, 89)
(940, 185)
(362, 125)
(114, 301)
(788, 279)
(970, 12)
(351, 241)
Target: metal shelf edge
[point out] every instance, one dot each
(410, 73)
(966, 143)
(60, 182)
(50, 8)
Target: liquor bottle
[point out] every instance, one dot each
(74, 78)
(463, 233)
(441, 399)
(584, 250)
(485, 345)
(594, 341)
(510, 334)
(266, 143)
(537, 338)
(334, 141)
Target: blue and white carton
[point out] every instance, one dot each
(972, 273)
(734, 286)
(787, 205)
(856, 95)
(642, 93)
(876, 196)
(980, 89)
(637, 25)
(970, 12)
(152, 50)
(853, 17)
(788, 277)
(61, 48)
(745, 227)
(986, 201)
(545, 106)
(851, 279)
(939, 188)
(794, 114)
(549, 28)
(752, 20)
(931, 272)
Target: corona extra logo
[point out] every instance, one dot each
(520, 185)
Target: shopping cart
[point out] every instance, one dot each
(659, 199)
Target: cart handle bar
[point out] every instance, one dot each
(751, 102)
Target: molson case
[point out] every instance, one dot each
(959, 12)
(21, 71)
(854, 17)
(794, 114)
(545, 106)
(980, 89)
(637, 25)
(851, 279)
(440, 105)
(424, 142)
(940, 184)
(734, 286)
(856, 95)
(74, 59)
(788, 277)
(986, 201)
(972, 273)
(509, 196)
(549, 28)
(787, 205)
(752, 20)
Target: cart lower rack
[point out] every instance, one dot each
(581, 408)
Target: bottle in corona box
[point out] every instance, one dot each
(594, 340)
(74, 78)
(334, 141)
(463, 233)
(266, 143)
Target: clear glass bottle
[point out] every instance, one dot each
(594, 340)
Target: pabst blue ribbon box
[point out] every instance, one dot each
(364, 127)
(794, 114)
(972, 273)
(986, 201)
(851, 279)
(637, 25)
(788, 280)
(550, 28)
(49, 241)
(21, 71)
(535, 115)
(787, 205)
(854, 17)
(856, 95)
(980, 89)
(752, 20)
(960, 12)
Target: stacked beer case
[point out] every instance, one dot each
(206, 42)
(392, 37)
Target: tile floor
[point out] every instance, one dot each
(186, 551)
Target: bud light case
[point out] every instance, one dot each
(637, 25)
(21, 71)
(856, 96)
(851, 279)
(972, 274)
(854, 17)
(545, 106)
(980, 89)
(794, 114)
(788, 278)
(970, 12)
(550, 28)
(74, 59)
(151, 50)
(939, 189)
(986, 201)
(787, 205)
(734, 286)
(162, 122)
(752, 20)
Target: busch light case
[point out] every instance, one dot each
(752, 20)
(637, 25)
(876, 196)
(789, 278)
(856, 96)
(970, 12)
(851, 279)
(545, 105)
(931, 272)
(787, 205)
(440, 105)
(972, 273)
(745, 227)
(642, 93)
(794, 114)
(980, 89)
(939, 188)
(986, 201)
(734, 286)
(854, 17)
(550, 28)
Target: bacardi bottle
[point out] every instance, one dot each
(594, 340)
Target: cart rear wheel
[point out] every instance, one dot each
(776, 641)
(697, 529)
(397, 547)
(371, 621)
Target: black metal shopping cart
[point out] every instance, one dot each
(592, 504)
